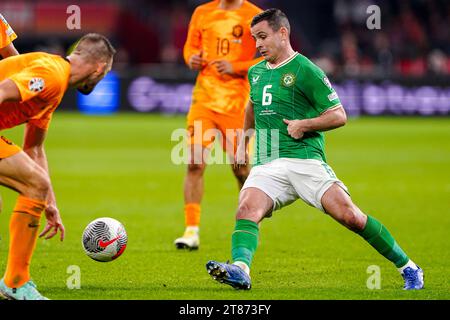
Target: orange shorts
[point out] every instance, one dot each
(7, 148)
(204, 125)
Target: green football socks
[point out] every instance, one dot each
(376, 234)
(244, 241)
(246, 234)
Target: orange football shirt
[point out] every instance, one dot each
(219, 34)
(42, 80)
(7, 34)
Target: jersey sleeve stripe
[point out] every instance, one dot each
(336, 106)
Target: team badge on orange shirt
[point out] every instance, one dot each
(238, 31)
(36, 84)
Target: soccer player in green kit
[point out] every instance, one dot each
(291, 103)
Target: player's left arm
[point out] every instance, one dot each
(330, 119)
(324, 101)
(241, 67)
(34, 147)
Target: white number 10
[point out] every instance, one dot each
(267, 97)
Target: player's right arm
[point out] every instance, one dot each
(249, 125)
(7, 36)
(34, 147)
(249, 119)
(192, 51)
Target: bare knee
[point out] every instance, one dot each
(338, 204)
(352, 217)
(38, 186)
(248, 212)
(196, 169)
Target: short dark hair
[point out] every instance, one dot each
(96, 46)
(274, 17)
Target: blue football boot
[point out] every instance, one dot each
(413, 278)
(229, 274)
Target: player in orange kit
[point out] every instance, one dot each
(219, 45)
(7, 36)
(31, 87)
(7, 49)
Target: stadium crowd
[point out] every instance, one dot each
(414, 38)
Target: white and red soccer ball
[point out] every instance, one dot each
(104, 239)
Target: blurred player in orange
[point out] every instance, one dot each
(7, 36)
(7, 49)
(219, 45)
(31, 87)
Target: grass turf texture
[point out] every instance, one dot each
(397, 169)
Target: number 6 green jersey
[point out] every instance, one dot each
(295, 89)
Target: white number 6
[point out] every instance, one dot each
(267, 97)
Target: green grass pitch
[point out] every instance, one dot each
(397, 169)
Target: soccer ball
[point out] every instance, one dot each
(104, 239)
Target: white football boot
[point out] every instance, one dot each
(190, 239)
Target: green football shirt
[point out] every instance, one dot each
(295, 89)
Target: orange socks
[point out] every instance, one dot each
(192, 214)
(23, 233)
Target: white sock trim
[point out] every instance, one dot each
(410, 263)
(195, 229)
(243, 266)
